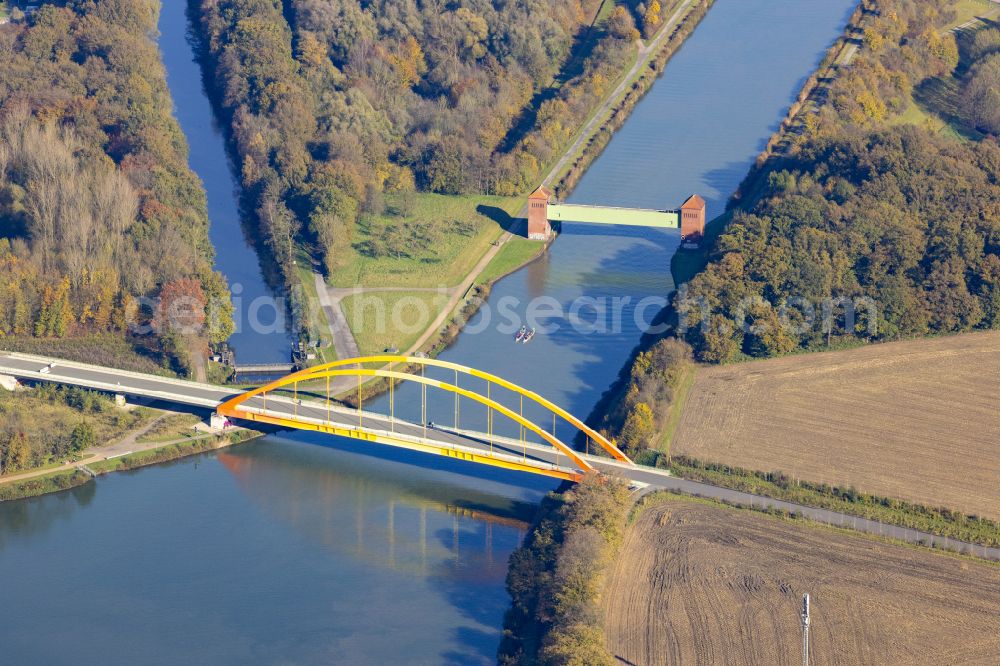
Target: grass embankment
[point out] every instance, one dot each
(170, 428)
(440, 239)
(42, 485)
(396, 319)
(173, 451)
(936, 103)
(315, 321)
(966, 10)
(513, 255)
(557, 578)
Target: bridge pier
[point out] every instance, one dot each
(538, 214)
(218, 422)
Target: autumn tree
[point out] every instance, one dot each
(17, 453)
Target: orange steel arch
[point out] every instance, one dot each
(316, 372)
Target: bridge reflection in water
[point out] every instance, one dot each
(427, 530)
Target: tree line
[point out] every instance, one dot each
(98, 208)
(333, 103)
(556, 578)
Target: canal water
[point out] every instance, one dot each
(311, 550)
(262, 332)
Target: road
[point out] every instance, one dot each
(27, 367)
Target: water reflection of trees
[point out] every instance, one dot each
(34, 516)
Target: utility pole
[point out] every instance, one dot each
(805, 629)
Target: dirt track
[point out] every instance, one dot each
(699, 584)
(914, 420)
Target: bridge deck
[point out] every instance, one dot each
(635, 217)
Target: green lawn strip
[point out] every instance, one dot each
(382, 320)
(939, 521)
(317, 324)
(463, 227)
(172, 451)
(970, 9)
(41, 485)
(660, 497)
(515, 253)
(676, 409)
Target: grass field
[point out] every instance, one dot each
(381, 320)
(970, 9)
(169, 428)
(698, 583)
(915, 420)
(515, 253)
(464, 227)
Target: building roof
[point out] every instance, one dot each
(541, 193)
(694, 202)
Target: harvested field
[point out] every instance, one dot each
(916, 420)
(703, 584)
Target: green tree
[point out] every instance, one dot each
(82, 437)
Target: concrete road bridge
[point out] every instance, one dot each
(279, 404)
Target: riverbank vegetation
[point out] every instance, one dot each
(556, 580)
(65, 479)
(49, 424)
(642, 418)
(98, 209)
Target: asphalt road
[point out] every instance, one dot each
(178, 391)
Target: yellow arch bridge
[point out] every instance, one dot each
(304, 400)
